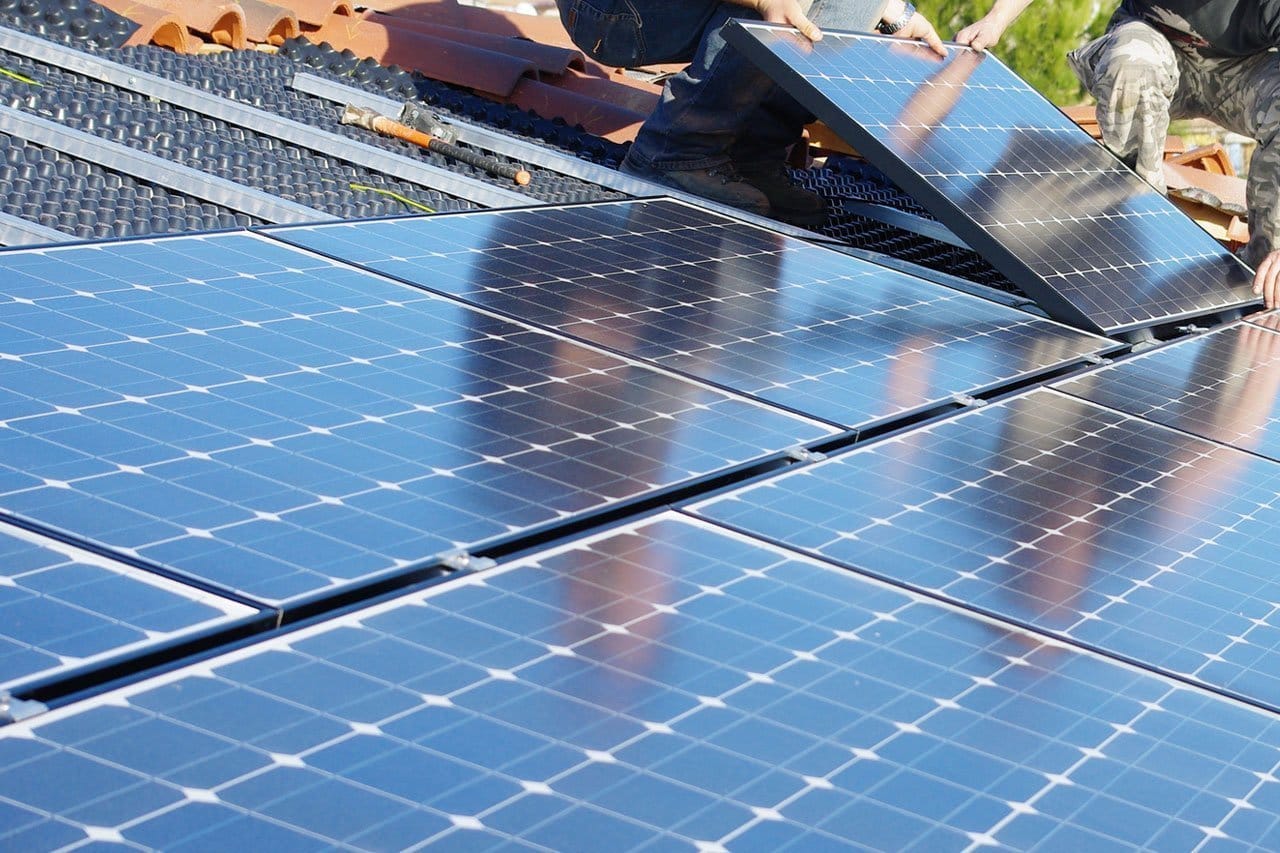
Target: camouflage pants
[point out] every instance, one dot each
(1141, 79)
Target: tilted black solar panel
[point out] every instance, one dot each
(1090, 241)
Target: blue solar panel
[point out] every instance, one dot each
(62, 609)
(793, 324)
(665, 686)
(1223, 385)
(1131, 538)
(1090, 241)
(1267, 319)
(271, 422)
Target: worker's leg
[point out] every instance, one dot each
(761, 156)
(778, 110)
(1244, 96)
(685, 141)
(631, 33)
(704, 108)
(1132, 72)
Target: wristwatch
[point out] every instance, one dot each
(907, 12)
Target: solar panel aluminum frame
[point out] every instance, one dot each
(59, 687)
(48, 685)
(965, 228)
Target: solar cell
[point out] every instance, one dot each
(1223, 385)
(1268, 320)
(271, 422)
(1106, 530)
(793, 324)
(1080, 233)
(63, 609)
(666, 685)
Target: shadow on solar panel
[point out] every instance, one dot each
(1060, 216)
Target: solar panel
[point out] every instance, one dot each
(243, 412)
(1223, 385)
(1268, 320)
(793, 324)
(1061, 217)
(667, 685)
(1137, 540)
(63, 609)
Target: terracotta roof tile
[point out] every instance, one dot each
(155, 26)
(548, 58)
(1208, 158)
(222, 23)
(268, 23)
(1225, 192)
(623, 99)
(316, 13)
(601, 117)
(545, 29)
(441, 59)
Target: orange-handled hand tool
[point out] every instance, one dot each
(375, 121)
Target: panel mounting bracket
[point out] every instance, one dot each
(463, 561)
(804, 454)
(13, 710)
(968, 401)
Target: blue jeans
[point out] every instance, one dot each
(721, 107)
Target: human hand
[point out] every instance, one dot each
(1266, 280)
(983, 33)
(785, 12)
(918, 27)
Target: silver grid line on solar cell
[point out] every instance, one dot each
(714, 692)
(790, 323)
(1223, 385)
(283, 425)
(1059, 215)
(1142, 542)
(64, 609)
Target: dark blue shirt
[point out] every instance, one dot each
(1226, 27)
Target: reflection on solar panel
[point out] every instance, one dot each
(1084, 236)
(793, 324)
(278, 424)
(1224, 385)
(1123, 535)
(61, 608)
(660, 687)
(1268, 320)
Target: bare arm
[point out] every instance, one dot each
(788, 12)
(986, 31)
(783, 12)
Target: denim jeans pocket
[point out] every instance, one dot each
(608, 31)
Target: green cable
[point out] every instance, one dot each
(396, 196)
(19, 77)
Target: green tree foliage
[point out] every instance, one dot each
(1036, 45)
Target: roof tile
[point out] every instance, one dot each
(268, 23)
(438, 58)
(155, 26)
